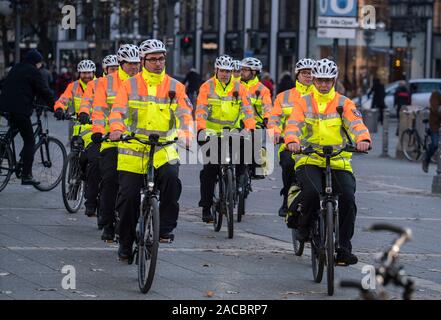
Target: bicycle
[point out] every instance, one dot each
(73, 184)
(324, 233)
(49, 155)
(147, 229)
(388, 270)
(227, 193)
(411, 142)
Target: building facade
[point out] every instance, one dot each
(278, 32)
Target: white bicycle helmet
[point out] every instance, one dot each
(224, 62)
(110, 60)
(304, 63)
(236, 65)
(252, 63)
(325, 68)
(86, 66)
(151, 46)
(128, 53)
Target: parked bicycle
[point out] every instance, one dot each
(414, 146)
(49, 154)
(388, 271)
(73, 182)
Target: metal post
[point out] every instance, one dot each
(170, 43)
(17, 31)
(436, 183)
(385, 153)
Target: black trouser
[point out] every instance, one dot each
(310, 180)
(207, 177)
(108, 185)
(128, 204)
(24, 125)
(91, 190)
(288, 173)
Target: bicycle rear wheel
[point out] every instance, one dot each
(297, 245)
(230, 202)
(49, 160)
(330, 248)
(217, 208)
(242, 197)
(148, 244)
(6, 164)
(317, 256)
(72, 187)
(410, 144)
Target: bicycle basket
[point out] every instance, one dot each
(293, 213)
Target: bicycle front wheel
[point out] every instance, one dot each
(330, 248)
(410, 144)
(317, 256)
(148, 244)
(72, 187)
(6, 165)
(230, 202)
(49, 160)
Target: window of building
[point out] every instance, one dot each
(235, 15)
(211, 15)
(437, 16)
(289, 15)
(145, 14)
(188, 16)
(262, 15)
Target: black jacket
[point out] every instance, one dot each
(22, 85)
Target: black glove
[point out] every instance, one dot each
(97, 137)
(265, 122)
(84, 118)
(59, 114)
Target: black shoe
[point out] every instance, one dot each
(90, 212)
(108, 234)
(425, 166)
(166, 237)
(345, 258)
(302, 234)
(29, 181)
(207, 217)
(125, 254)
(282, 211)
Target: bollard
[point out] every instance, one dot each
(385, 153)
(436, 183)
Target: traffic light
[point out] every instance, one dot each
(397, 63)
(186, 44)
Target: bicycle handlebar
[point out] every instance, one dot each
(74, 117)
(388, 227)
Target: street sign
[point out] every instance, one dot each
(336, 33)
(337, 19)
(337, 22)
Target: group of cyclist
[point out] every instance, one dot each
(136, 96)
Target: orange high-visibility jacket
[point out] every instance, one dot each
(282, 109)
(260, 97)
(218, 108)
(134, 104)
(104, 98)
(310, 127)
(71, 98)
(86, 101)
